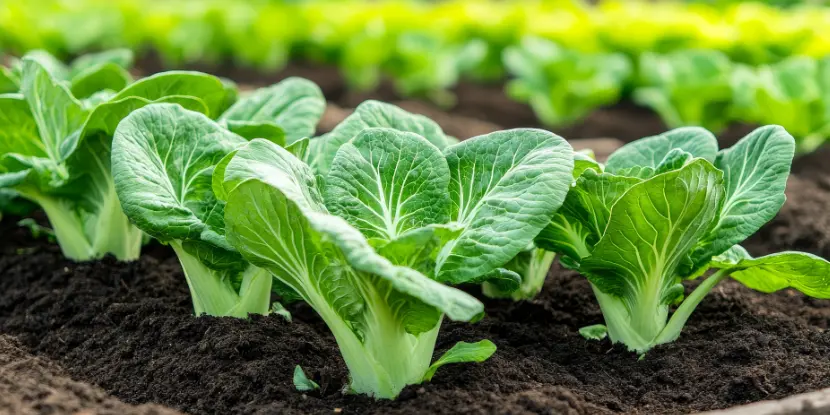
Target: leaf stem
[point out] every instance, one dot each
(678, 320)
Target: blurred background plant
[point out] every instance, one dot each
(564, 58)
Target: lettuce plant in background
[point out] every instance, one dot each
(794, 93)
(386, 212)
(671, 207)
(687, 88)
(561, 85)
(163, 160)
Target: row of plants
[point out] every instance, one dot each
(566, 58)
(373, 223)
(424, 46)
(696, 87)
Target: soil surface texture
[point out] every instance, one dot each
(125, 335)
(128, 329)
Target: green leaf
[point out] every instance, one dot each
(581, 221)
(371, 114)
(504, 280)
(207, 88)
(98, 78)
(299, 148)
(272, 230)
(302, 382)
(755, 175)
(585, 161)
(49, 63)
(295, 104)
(463, 352)
(57, 113)
(9, 81)
(274, 198)
(804, 272)
(504, 188)
(651, 229)
(386, 182)
(594, 332)
(19, 133)
(651, 151)
(122, 58)
(258, 129)
(162, 163)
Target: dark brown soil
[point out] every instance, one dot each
(33, 385)
(127, 328)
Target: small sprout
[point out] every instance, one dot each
(594, 332)
(278, 309)
(37, 230)
(463, 352)
(302, 382)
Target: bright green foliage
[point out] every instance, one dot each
(668, 208)
(561, 85)
(692, 87)
(50, 155)
(531, 267)
(56, 150)
(794, 93)
(366, 245)
(163, 160)
(371, 114)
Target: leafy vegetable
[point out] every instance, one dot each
(692, 87)
(668, 208)
(48, 155)
(163, 161)
(561, 85)
(366, 246)
(794, 93)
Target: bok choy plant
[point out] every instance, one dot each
(55, 150)
(687, 88)
(387, 214)
(671, 207)
(163, 161)
(562, 85)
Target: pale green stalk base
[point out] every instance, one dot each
(647, 327)
(532, 279)
(388, 359)
(213, 294)
(109, 233)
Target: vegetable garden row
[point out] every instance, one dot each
(694, 64)
(372, 224)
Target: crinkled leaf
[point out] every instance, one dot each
(386, 182)
(162, 164)
(504, 188)
(258, 129)
(651, 229)
(371, 114)
(274, 223)
(755, 175)
(295, 105)
(651, 151)
(209, 89)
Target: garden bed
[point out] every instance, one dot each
(128, 328)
